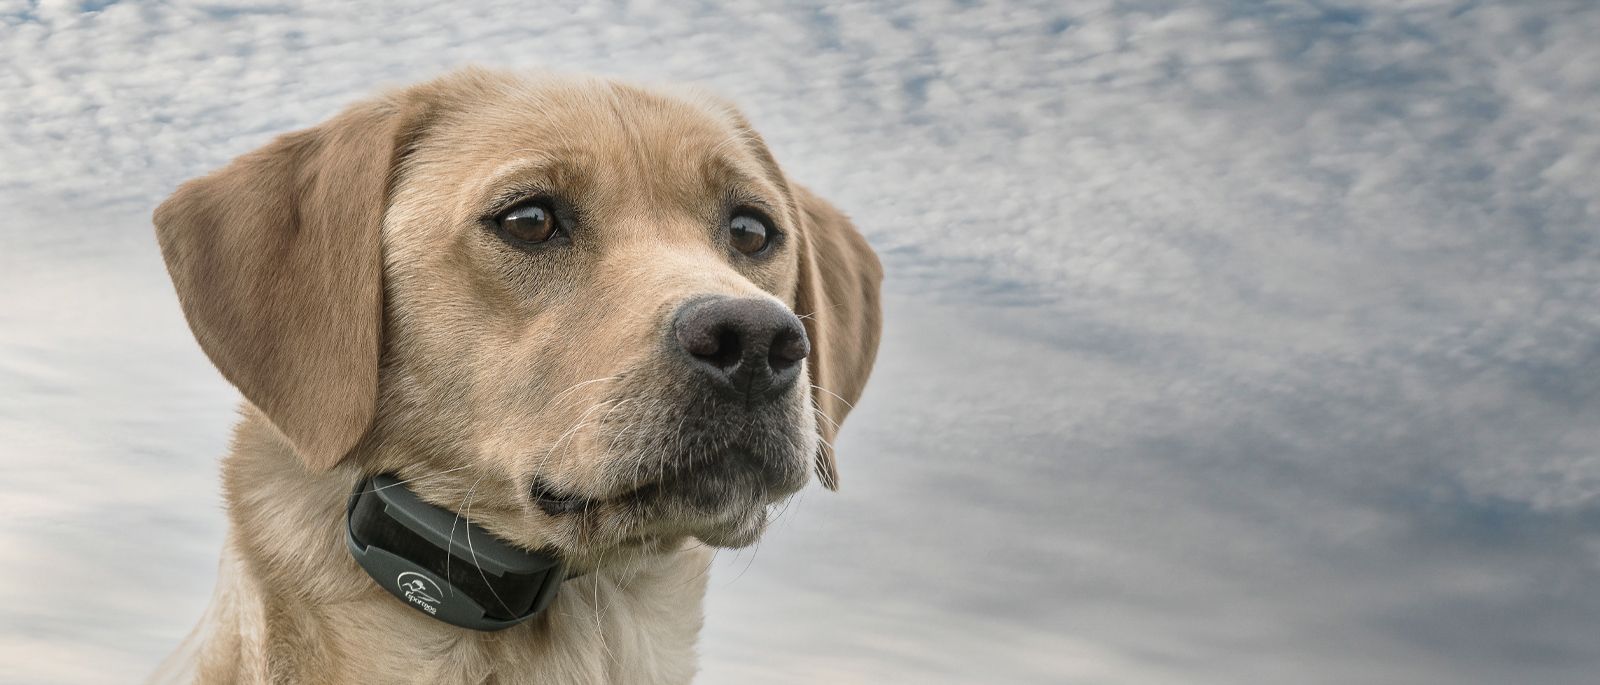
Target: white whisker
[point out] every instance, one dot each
(426, 475)
(449, 545)
(835, 395)
(552, 402)
(474, 551)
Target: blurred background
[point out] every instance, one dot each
(1227, 341)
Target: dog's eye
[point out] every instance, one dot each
(530, 223)
(748, 233)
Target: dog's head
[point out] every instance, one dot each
(586, 314)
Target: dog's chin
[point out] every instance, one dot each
(722, 507)
(739, 530)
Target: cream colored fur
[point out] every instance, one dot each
(342, 277)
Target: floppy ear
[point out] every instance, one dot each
(277, 265)
(837, 300)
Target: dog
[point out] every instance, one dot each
(591, 317)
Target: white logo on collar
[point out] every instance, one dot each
(420, 590)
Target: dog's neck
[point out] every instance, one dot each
(303, 604)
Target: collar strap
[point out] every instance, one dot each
(454, 572)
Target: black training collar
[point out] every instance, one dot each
(459, 574)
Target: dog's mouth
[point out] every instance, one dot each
(670, 469)
(723, 506)
(554, 502)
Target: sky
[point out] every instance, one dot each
(1226, 342)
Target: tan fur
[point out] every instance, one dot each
(344, 279)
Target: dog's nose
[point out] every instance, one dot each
(747, 345)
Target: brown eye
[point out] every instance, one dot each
(532, 223)
(748, 234)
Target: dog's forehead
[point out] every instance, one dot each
(601, 132)
(599, 117)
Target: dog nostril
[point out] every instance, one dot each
(697, 343)
(788, 348)
(729, 349)
(719, 346)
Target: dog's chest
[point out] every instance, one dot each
(596, 632)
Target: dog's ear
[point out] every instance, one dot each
(277, 263)
(837, 300)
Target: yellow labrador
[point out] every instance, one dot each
(591, 318)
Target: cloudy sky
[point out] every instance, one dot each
(1228, 341)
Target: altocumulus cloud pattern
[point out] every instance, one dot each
(1228, 342)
